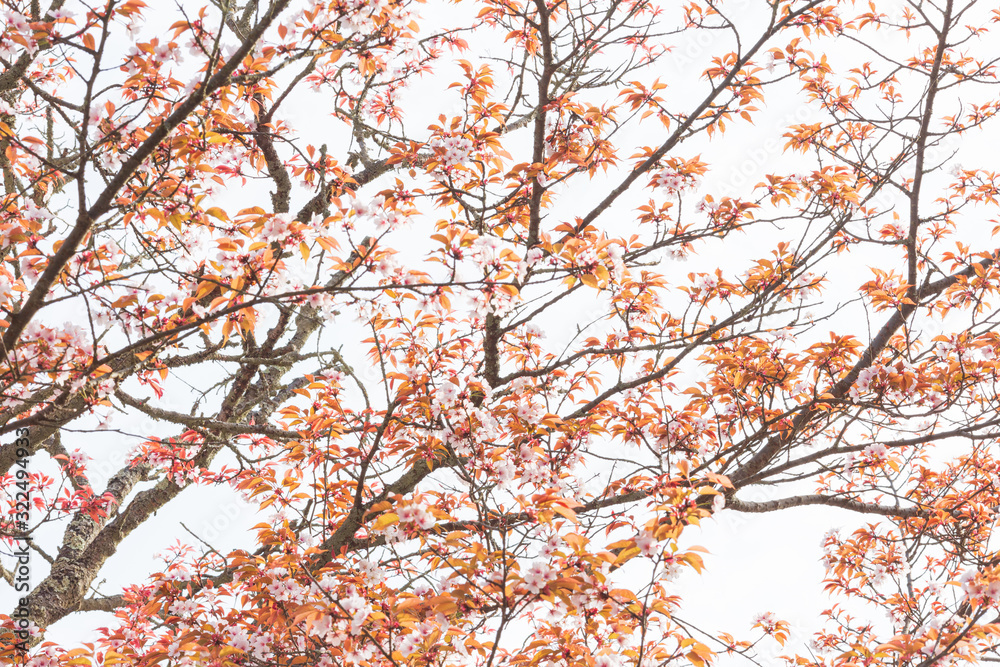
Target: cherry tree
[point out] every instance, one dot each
(480, 306)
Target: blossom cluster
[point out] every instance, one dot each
(673, 182)
(452, 151)
(416, 515)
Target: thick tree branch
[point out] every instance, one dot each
(750, 471)
(858, 506)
